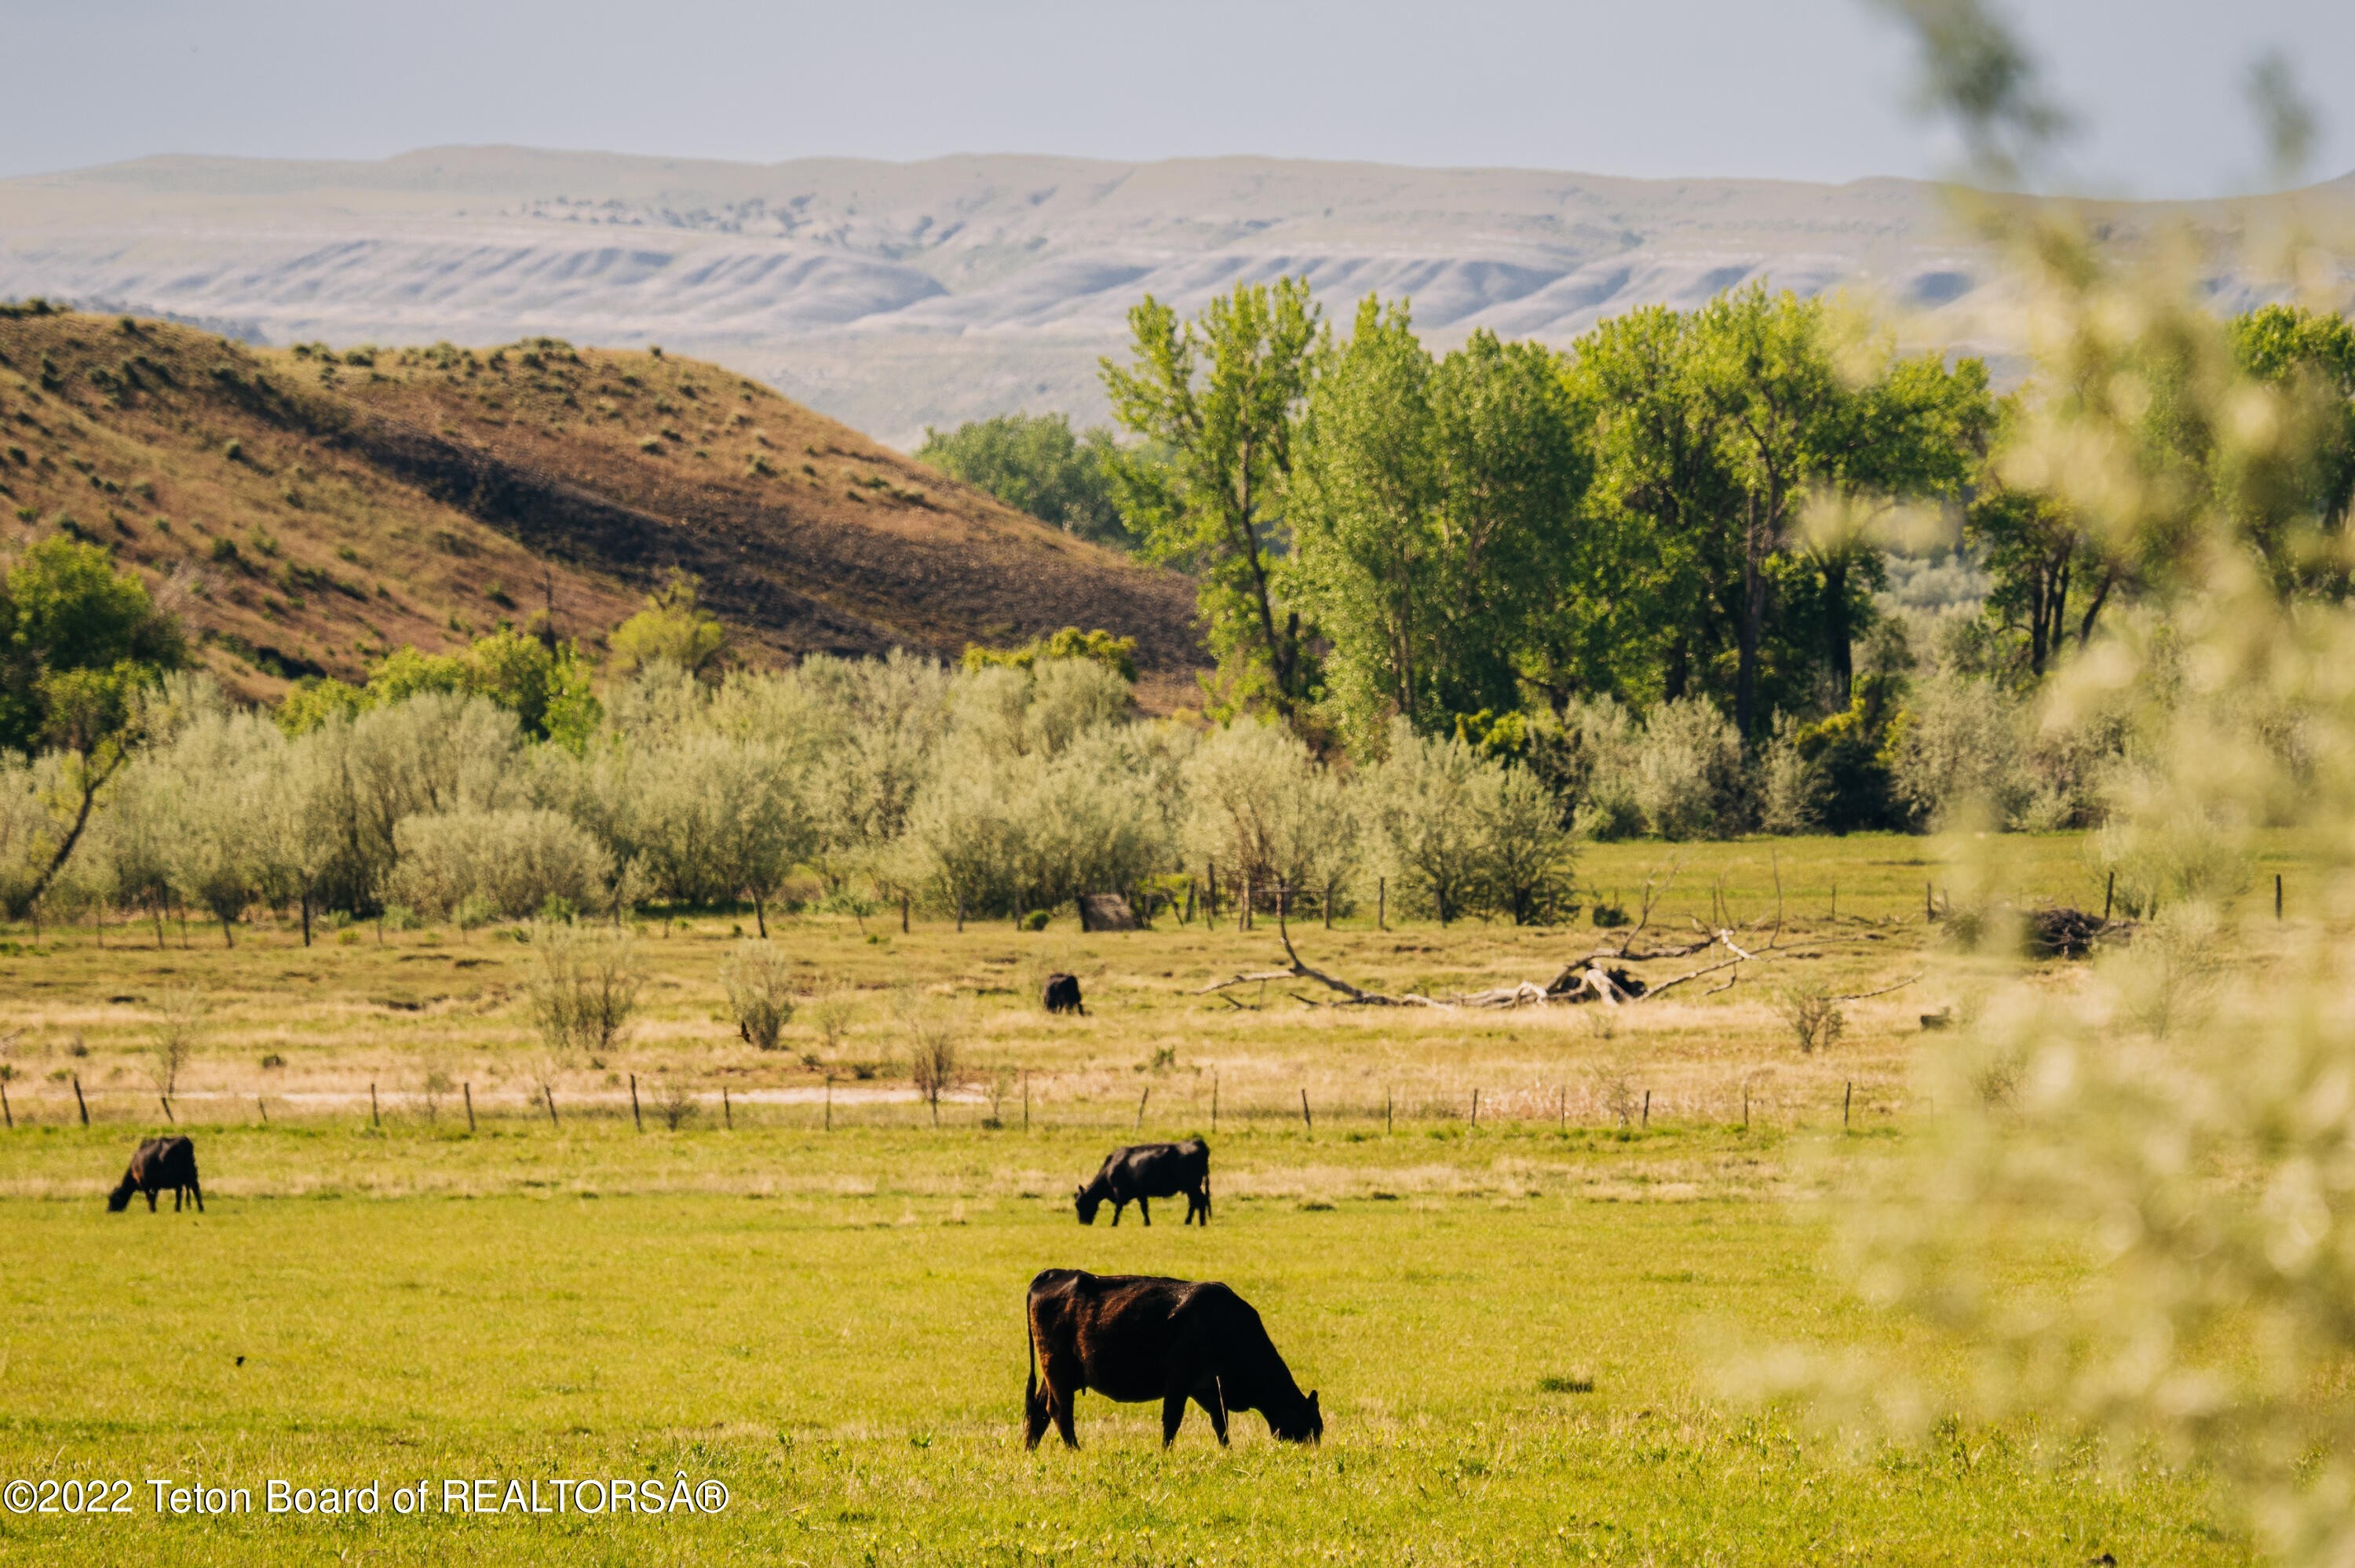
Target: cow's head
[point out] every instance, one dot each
(1087, 1200)
(120, 1199)
(1305, 1423)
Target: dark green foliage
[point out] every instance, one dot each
(1035, 464)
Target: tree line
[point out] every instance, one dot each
(1682, 505)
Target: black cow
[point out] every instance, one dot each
(1147, 1170)
(1062, 994)
(158, 1163)
(1133, 1339)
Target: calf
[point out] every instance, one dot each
(1148, 1170)
(158, 1163)
(1062, 995)
(1133, 1339)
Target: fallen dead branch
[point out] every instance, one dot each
(1884, 991)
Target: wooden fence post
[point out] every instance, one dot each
(727, 1110)
(262, 1108)
(376, 1116)
(1848, 1098)
(1929, 905)
(1386, 1110)
(1381, 903)
(2277, 895)
(2110, 891)
(1328, 902)
(636, 1119)
(829, 1102)
(1140, 1107)
(4, 1108)
(80, 1102)
(903, 914)
(1746, 1108)
(1476, 1110)
(1306, 1120)
(1026, 1101)
(1647, 1110)
(547, 1096)
(469, 1089)
(1561, 1109)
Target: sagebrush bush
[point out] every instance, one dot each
(583, 986)
(508, 863)
(759, 980)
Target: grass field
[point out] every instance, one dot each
(1508, 1324)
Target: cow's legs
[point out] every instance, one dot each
(1173, 1412)
(197, 1190)
(1119, 1207)
(1214, 1404)
(1144, 1208)
(179, 1197)
(1064, 1380)
(151, 1200)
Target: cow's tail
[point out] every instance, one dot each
(1030, 1389)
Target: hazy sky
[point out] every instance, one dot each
(1793, 88)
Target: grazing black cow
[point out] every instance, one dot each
(1062, 994)
(158, 1163)
(1147, 1170)
(1133, 1339)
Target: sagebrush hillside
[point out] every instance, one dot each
(306, 512)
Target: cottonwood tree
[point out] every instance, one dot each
(1218, 397)
(1434, 515)
(83, 648)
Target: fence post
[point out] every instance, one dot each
(1561, 1109)
(166, 1100)
(636, 1119)
(1386, 1110)
(1026, 1101)
(549, 1097)
(829, 1102)
(2277, 894)
(262, 1108)
(376, 1118)
(903, 914)
(1929, 905)
(469, 1089)
(1848, 1098)
(1381, 903)
(960, 911)
(4, 1108)
(1244, 922)
(1476, 1110)
(1306, 1120)
(1328, 903)
(1746, 1108)
(2110, 891)
(82, 1103)
(1140, 1107)
(1647, 1110)
(727, 1110)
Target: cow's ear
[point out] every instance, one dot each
(1312, 1401)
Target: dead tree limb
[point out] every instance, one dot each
(1884, 991)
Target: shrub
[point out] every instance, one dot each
(583, 986)
(504, 863)
(179, 1019)
(1813, 1013)
(1687, 768)
(759, 980)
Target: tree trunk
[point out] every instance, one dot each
(761, 913)
(306, 917)
(1838, 636)
(1753, 620)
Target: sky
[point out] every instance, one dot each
(1805, 89)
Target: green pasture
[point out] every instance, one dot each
(1511, 1372)
(1519, 1328)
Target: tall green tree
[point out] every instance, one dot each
(82, 645)
(1656, 625)
(1805, 420)
(1435, 509)
(1218, 395)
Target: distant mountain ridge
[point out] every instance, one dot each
(897, 295)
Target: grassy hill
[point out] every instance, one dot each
(306, 510)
